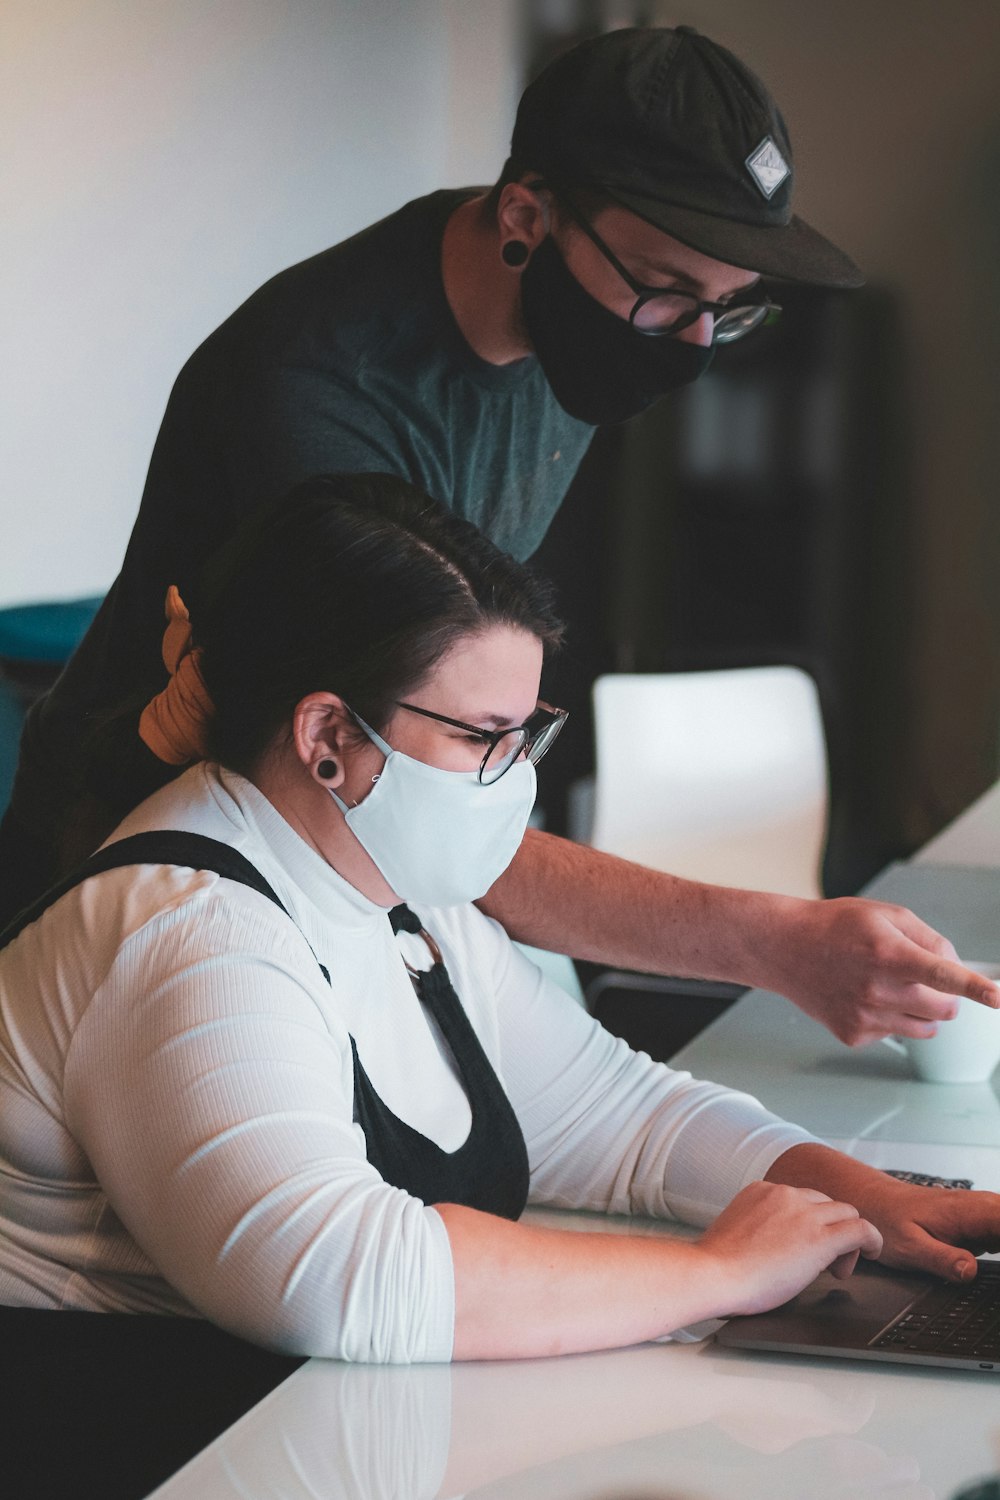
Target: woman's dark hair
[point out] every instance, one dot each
(355, 584)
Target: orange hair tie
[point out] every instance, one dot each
(173, 723)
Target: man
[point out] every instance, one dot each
(471, 342)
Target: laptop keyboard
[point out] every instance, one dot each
(963, 1321)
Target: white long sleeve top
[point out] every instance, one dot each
(176, 1097)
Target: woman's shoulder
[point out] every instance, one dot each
(193, 802)
(170, 886)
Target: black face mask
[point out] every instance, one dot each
(600, 369)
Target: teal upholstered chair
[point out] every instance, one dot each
(35, 641)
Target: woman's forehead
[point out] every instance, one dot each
(491, 672)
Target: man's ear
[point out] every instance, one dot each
(322, 731)
(524, 214)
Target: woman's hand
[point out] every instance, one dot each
(772, 1240)
(939, 1230)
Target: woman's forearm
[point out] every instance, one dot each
(813, 1165)
(523, 1291)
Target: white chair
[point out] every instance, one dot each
(718, 776)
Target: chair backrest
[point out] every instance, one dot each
(35, 641)
(718, 776)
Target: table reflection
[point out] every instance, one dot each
(657, 1421)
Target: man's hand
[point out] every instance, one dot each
(866, 969)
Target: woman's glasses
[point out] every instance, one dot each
(505, 746)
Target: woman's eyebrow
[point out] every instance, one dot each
(492, 721)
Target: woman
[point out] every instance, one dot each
(315, 1130)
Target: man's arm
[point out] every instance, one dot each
(865, 969)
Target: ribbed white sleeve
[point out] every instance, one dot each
(211, 1088)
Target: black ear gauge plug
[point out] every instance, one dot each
(514, 253)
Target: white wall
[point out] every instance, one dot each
(163, 158)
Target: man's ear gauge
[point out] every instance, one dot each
(514, 253)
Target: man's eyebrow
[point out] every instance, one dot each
(684, 282)
(669, 277)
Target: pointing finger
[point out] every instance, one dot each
(955, 979)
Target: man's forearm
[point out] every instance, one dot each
(573, 899)
(864, 969)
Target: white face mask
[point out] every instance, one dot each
(440, 837)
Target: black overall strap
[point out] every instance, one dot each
(161, 847)
(490, 1170)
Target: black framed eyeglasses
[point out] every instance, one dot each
(660, 311)
(505, 746)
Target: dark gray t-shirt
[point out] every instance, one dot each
(350, 361)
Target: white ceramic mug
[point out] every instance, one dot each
(965, 1050)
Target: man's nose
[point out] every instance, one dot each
(700, 331)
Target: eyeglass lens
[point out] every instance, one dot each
(506, 751)
(501, 756)
(733, 325)
(671, 312)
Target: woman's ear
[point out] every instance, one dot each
(321, 731)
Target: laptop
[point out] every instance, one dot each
(878, 1313)
(881, 1314)
(900, 1316)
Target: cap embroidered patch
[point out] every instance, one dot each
(768, 167)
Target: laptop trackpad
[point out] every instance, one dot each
(833, 1314)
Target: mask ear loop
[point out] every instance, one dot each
(377, 741)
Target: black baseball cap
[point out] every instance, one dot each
(677, 129)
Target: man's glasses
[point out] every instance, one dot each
(658, 311)
(505, 746)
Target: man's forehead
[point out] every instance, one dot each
(652, 253)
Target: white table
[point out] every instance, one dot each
(669, 1420)
(972, 839)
